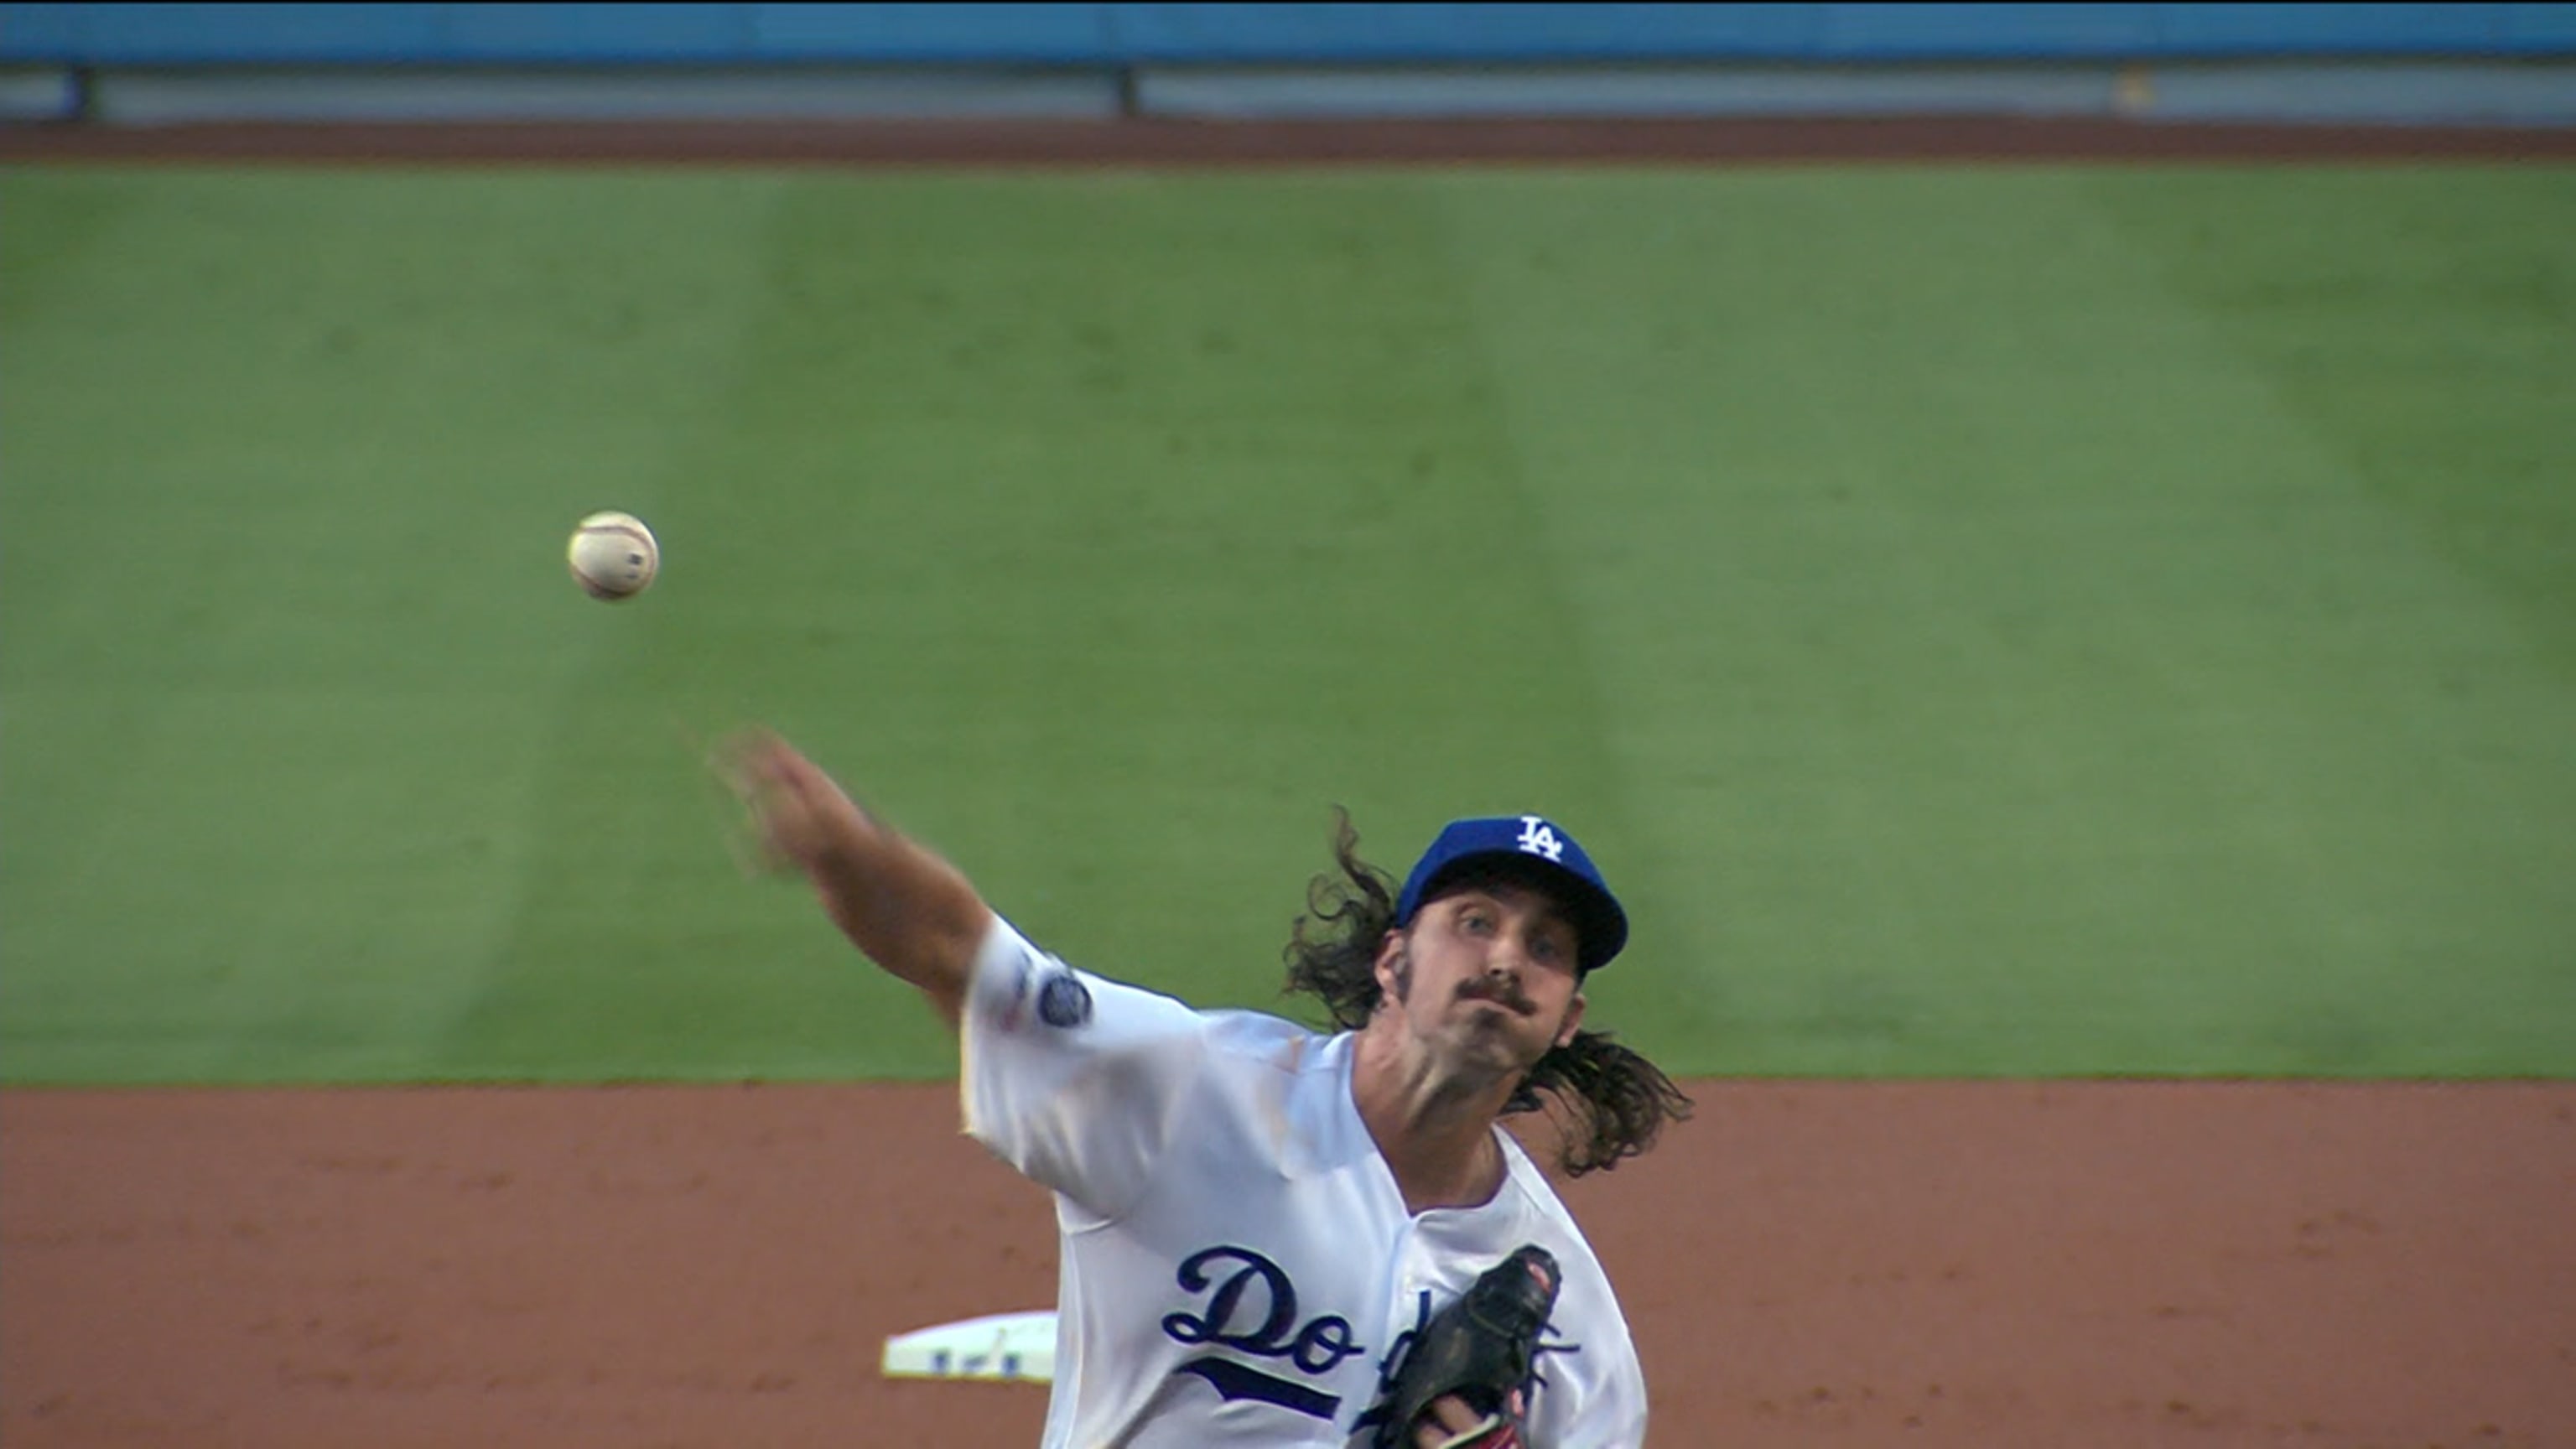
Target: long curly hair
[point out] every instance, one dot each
(1607, 1102)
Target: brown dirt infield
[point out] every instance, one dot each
(2096, 1265)
(1997, 1264)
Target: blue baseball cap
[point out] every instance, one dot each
(1600, 926)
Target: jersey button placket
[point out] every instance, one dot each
(1414, 1276)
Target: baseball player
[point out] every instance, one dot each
(1261, 1223)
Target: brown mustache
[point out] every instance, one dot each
(1502, 992)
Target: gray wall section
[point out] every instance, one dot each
(161, 98)
(40, 93)
(1629, 92)
(2501, 93)
(2479, 92)
(2424, 93)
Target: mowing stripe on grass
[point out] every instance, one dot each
(2022, 621)
(2013, 678)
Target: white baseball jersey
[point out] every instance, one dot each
(1238, 1266)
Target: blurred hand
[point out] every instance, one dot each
(799, 818)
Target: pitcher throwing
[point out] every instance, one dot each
(1260, 1221)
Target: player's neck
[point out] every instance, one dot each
(1435, 1131)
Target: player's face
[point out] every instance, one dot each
(1489, 969)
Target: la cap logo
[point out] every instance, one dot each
(1539, 838)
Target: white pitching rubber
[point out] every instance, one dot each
(1000, 1347)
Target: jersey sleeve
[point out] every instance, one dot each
(1594, 1398)
(1616, 1420)
(1074, 1079)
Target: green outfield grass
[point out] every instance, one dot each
(1987, 621)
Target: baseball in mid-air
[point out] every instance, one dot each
(613, 555)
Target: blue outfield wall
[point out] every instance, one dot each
(170, 35)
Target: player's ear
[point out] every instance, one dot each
(1573, 1020)
(1389, 966)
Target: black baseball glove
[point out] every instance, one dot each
(1478, 1348)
